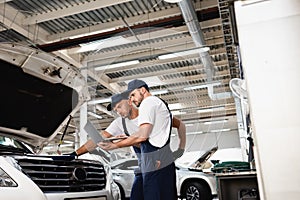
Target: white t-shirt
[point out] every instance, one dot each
(153, 111)
(116, 127)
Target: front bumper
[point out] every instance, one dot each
(94, 195)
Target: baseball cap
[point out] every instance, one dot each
(135, 84)
(116, 98)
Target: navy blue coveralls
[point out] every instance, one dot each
(137, 186)
(158, 170)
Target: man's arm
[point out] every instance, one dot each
(140, 136)
(88, 146)
(177, 123)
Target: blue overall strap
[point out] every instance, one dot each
(137, 150)
(137, 186)
(124, 127)
(168, 141)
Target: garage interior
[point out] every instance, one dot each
(113, 42)
(187, 51)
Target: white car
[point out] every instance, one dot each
(192, 183)
(39, 93)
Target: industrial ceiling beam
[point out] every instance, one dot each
(210, 13)
(64, 12)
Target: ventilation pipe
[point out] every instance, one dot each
(191, 20)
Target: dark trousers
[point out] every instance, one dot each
(137, 188)
(160, 184)
(158, 170)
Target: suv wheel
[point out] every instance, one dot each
(122, 192)
(196, 191)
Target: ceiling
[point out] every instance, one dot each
(97, 35)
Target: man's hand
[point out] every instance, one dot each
(73, 154)
(107, 145)
(70, 156)
(178, 153)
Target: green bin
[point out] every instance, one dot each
(231, 166)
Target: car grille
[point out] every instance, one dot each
(64, 175)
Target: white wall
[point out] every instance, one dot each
(269, 35)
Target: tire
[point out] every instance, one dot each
(122, 192)
(196, 191)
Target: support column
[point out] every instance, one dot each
(83, 118)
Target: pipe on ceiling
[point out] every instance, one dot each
(192, 22)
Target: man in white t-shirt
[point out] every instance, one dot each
(154, 120)
(121, 106)
(119, 103)
(129, 115)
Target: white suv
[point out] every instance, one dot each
(39, 94)
(192, 182)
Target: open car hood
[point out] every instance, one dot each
(200, 163)
(39, 93)
(195, 160)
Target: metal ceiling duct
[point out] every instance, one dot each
(191, 20)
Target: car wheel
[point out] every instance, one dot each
(122, 192)
(196, 191)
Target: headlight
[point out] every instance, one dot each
(6, 180)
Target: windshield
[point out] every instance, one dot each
(11, 145)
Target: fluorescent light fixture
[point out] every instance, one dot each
(151, 81)
(194, 133)
(178, 112)
(175, 106)
(189, 125)
(211, 109)
(48, 147)
(195, 87)
(66, 145)
(158, 92)
(69, 142)
(92, 33)
(215, 122)
(90, 46)
(116, 65)
(95, 115)
(97, 101)
(101, 44)
(173, 1)
(220, 130)
(183, 53)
